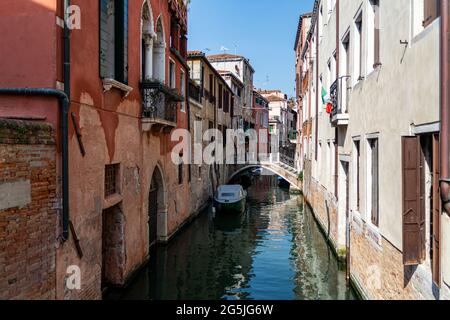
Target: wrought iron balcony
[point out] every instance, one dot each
(339, 99)
(159, 105)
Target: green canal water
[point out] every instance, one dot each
(275, 251)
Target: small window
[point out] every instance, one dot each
(373, 181)
(357, 174)
(180, 173)
(172, 83)
(183, 89)
(111, 179)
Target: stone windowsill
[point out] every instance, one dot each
(109, 83)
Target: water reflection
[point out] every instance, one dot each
(273, 251)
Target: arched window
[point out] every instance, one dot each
(148, 38)
(159, 49)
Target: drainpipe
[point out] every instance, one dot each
(445, 106)
(317, 83)
(64, 105)
(336, 151)
(64, 113)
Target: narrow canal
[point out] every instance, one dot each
(274, 251)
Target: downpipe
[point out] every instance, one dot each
(64, 114)
(445, 107)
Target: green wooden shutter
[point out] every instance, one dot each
(104, 35)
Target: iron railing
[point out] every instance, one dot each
(338, 95)
(159, 102)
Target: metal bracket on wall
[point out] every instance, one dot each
(76, 240)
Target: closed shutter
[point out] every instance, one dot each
(104, 36)
(121, 32)
(431, 11)
(413, 211)
(436, 214)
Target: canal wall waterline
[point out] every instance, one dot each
(354, 283)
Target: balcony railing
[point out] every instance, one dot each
(339, 94)
(159, 103)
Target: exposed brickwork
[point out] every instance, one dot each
(28, 233)
(378, 268)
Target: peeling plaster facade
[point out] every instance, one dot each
(111, 130)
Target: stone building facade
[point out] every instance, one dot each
(211, 100)
(371, 161)
(124, 104)
(241, 68)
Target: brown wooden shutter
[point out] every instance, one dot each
(413, 212)
(436, 214)
(431, 11)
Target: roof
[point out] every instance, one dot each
(224, 56)
(196, 54)
(273, 98)
(268, 91)
(229, 57)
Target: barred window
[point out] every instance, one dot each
(111, 178)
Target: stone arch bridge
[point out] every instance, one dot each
(277, 167)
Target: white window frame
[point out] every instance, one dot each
(354, 175)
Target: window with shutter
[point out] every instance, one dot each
(413, 201)
(114, 40)
(431, 11)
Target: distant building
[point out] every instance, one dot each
(302, 78)
(261, 116)
(212, 106)
(241, 68)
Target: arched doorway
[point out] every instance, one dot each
(157, 209)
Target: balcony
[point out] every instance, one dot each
(339, 114)
(159, 106)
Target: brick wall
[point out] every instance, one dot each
(28, 218)
(377, 268)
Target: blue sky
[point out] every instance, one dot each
(261, 30)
